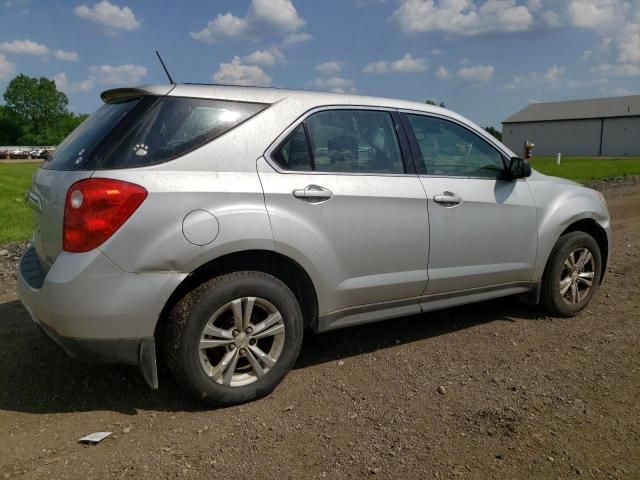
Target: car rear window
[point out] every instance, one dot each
(147, 130)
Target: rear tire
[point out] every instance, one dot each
(234, 338)
(572, 275)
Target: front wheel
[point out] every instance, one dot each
(572, 275)
(234, 338)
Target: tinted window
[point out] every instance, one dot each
(148, 130)
(74, 150)
(451, 150)
(293, 154)
(354, 141)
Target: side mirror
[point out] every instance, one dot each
(519, 168)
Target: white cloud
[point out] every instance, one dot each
(598, 82)
(462, 17)
(629, 44)
(293, 38)
(553, 76)
(586, 55)
(618, 23)
(376, 67)
(237, 73)
(477, 73)
(622, 92)
(63, 84)
(551, 18)
(110, 15)
(329, 68)
(267, 58)
(436, 52)
(443, 73)
(66, 56)
(263, 18)
(534, 5)
(119, 74)
(26, 47)
(617, 70)
(334, 84)
(406, 64)
(6, 67)
(597, 14)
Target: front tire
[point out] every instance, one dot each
(572, 275)
(234, 338)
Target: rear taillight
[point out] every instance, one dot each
(95, 208)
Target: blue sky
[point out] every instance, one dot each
(484, 58)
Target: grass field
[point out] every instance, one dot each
(16, 219)
(583, 169)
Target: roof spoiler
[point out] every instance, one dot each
(120, 93)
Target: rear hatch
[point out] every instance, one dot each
(134, 128)
(73, 160)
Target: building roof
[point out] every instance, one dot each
(628, 106)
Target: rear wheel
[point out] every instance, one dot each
(234, 338)
(572, 275)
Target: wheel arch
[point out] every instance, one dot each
(593, 228)
(267, 261)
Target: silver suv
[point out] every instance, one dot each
(216, 224)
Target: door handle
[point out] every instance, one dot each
(313, 194)
(448, 199)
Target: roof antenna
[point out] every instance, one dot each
(165, 69)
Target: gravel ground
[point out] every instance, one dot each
(491, 390)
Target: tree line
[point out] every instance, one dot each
(35, 113)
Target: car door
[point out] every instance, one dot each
(343, 204)
(483, 228)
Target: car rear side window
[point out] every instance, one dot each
(294, 152)
(343, 141)
(148, 130)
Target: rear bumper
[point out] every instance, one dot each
(131, 351)
(95, 311)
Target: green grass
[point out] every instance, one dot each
(16, 218)
(584, 169)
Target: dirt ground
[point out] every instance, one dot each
(525, 396)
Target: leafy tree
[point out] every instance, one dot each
(496, 133)
(37, 108)
(9, 127)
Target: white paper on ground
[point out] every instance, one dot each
(96, 437)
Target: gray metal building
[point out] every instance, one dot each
(607, 127)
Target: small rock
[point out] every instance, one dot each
(441, 390)
(374, 471)
(340, 363)
(126, 430)
(288, 408)
(499, 456)
(551, 459)
(4, 253)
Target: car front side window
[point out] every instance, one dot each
(448, 149)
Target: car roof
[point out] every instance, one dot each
(272, 95)
(304, 99)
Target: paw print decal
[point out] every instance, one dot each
(141, 149)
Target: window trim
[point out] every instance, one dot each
(405, 153)
(417, 154)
